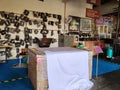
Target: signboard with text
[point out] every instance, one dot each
(95, 14)
(98, 49)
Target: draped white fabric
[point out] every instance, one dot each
(67, 69)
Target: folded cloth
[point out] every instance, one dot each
(67, 68)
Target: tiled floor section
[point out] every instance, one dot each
(109, 81)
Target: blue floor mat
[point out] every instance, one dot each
(23, 84)
(103, 67)
(7, 73)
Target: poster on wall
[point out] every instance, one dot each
(101, 29)
(85, 24)
(105, 29)
(74, 24)
(105, 20)
(100, 21)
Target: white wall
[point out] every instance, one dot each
(77, 7)
(73, 7)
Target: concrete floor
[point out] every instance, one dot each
(109, 81)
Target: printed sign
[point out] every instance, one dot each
(92, 13)
(39, 58)
(98, 49)
(39, 61)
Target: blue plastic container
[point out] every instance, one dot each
(109, 52)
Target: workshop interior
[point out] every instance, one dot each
(41, 39)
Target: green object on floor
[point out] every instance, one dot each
(80, 46)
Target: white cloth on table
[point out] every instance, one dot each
(67, 69)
